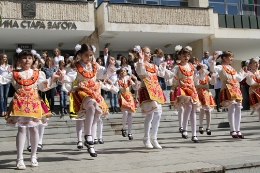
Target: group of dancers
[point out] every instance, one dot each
(85, 78)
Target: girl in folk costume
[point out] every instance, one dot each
(230, 94)
(26, 109)
(126, 100)
(202, 81)
(253, 79)
(151, 95)
(174, 84)
(88, 103)
(36, 63)
(185, 93)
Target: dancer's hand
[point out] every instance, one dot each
(215, 55)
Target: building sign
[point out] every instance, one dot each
(28, 8)
(31, 24)
(25, 46)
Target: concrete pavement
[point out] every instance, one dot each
(216, 153)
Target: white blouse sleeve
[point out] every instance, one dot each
(107, 87)
(70, 76)
(249, 79)
(6, 79)
(129, 70)
(213, 66)
(161, 70)
(42, 85)
(135, 85)
(103, 73)
(240, 75)
(171, 74)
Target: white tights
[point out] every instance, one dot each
(180, 115)
(90, 125)
(21, 137)
(208, 117)
(259, 114)
(234, 117)
(153, 117)
(189, 113)
(97, 129)
(79, 124)
(41, 132)
(127, 115)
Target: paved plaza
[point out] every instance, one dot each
(216, 153)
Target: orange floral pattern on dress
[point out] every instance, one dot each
(149, 68)
(126, 101)
(205, 97)
(231, 71)
(255, 78)
(205, 81)
(85, 73)
(124, 85)
(186, 72)
(25, 82)
(89, 88)
(154, 89)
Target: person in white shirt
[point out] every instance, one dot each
(105, 57)
(4, 89)
(158, 58)
(217, 88)
(57, 57)
(124, 64)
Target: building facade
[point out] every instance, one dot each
(205, 25)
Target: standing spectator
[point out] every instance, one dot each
(217, 88)
(63, 93)
(48, 69)
(118, 59)
(244, 87)
(5, 68)
(169, 62)
(124, 63)
(205, 59)
(105, 57)
(57, 58)
(44, 56)
(66, 59)
(157, 60)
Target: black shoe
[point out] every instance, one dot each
(100, 141)
(180, 129)
(113, 110)
(91, 154)
(95, 141)
(116, 110)
(65, 111)
(130, 136)
(218, 110)
(184, 136)
(240, 136)
(89, 145)
(79, 146)
(195, 140)
(29, 148)
(123, 133)
(201, 130)
(39, 148)
(208, 131)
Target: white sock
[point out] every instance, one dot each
(130, 122)
(237, 117)
(79, 124)
(124, 119)
(180, 116)
(186, 116)
(231, 119)
(208, 119)
(41, 132)
(201, 117)
(28, 137)
(147, 124)
(193, 120)
(34, 140)
(155, 124)
(20, 140)
(100, 128)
